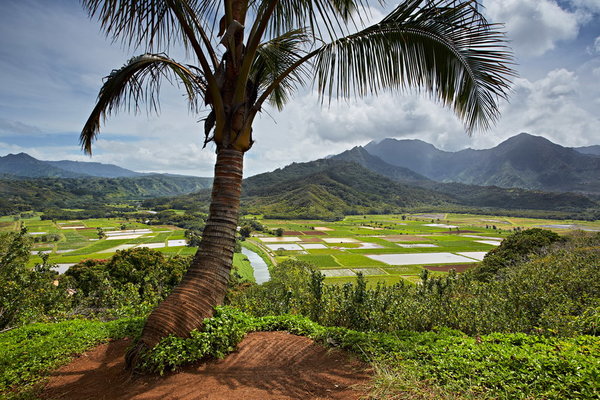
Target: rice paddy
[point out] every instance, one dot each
(392, 248)
(383, 248)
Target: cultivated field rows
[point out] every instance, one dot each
(386, 248)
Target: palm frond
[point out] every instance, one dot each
(139, 82)
(276, 56)
(150, 23)
(322, 18)
(445, 47)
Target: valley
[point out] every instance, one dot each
(383, 248)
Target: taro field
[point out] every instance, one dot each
(391, 248)
(68, 242)
(384, 248)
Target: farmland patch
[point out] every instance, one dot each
(284, 246)
(419, 258)
(477, 255)
(340, 240)
(281, 239)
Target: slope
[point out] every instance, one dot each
(523, 161)
(94, 169)
(23, 165)
(42, 193)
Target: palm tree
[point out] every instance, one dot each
(249, 52)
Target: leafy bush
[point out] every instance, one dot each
(514, 249)
(131, 282)
(219, 337)
(27, 294)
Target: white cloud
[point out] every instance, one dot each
(550, 107)
(8, 126)
(595, 47)
(534, 26)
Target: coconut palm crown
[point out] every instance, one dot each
(248, 52)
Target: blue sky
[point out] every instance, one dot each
(53, 59)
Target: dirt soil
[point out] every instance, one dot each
(267, 365)
(311, 240)
(446, 268)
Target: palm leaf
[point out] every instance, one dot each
(444, 47)
(138, 82)
(318, 16)
(152, 24)
(273, 58)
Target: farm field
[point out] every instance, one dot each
(68, 242)
(392, 248)
(384, 248)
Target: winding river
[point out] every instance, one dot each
(261, 271)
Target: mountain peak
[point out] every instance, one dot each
(524, 161)
(23, 156)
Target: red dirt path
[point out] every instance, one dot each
(267, 365)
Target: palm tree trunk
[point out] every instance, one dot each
(205, 283)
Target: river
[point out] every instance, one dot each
(261, 271)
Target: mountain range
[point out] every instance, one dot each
(524, 172)
(22, 165)
(523, 161)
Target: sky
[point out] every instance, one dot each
(53, 59)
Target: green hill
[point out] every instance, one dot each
(42, 193)
(331, 188)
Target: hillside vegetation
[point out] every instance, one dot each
(522, 161)
(332, 188)
(43, 193)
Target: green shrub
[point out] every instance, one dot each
(514, 249)
(130, 283)
(27, 294)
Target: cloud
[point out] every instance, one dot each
(595, 47)
(550, 107)
(173, 156)
(11, 127)
(534, 26)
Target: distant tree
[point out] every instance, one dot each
(193, 237)
(245, 231)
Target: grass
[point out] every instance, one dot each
(345, 255)
(322, 261)
(350, 255)
(244, 268)
(31, 352)
(356, 260)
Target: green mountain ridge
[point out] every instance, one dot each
(42, 193)
(94, 169)
(330, 188)
(24, 166)
(523, 161)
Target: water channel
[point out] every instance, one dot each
(261, 271)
